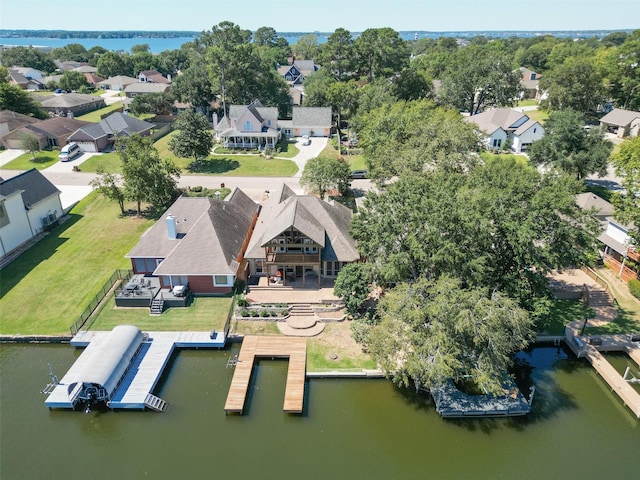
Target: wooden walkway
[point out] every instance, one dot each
(275, 347)
(607, 343)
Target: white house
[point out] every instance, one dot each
(29, 203)
(507, 127)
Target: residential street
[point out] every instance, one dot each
(75, 185)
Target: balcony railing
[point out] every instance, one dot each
(293, 258)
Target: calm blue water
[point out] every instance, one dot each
(157, 45)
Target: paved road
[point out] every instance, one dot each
(74, 185)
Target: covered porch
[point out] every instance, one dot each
(261, 290)
(292, 268)
(257, 141)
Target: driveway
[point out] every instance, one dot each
(7, 155)
(308, 151)
(112, 96)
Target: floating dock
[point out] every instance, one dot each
(293, 348)
(122, 367)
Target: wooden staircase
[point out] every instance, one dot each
(155, 403)
(157, 306)
(599, 298)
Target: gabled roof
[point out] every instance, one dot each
(327, 223)
(51, 127)
(119, 80)
(256, 108)
(16, 120)
(146, 87)
(69, 100)
(85, 69)
(526, 126)
(620, 117)
(588, 201)
(319, 117)
(115, 124)
(491, 120)
(33, 185)
(210, 236)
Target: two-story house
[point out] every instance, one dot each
(300, 238)
(252, 126)
(504, 127)
(29, 203)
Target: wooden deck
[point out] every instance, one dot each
(608, 343)
(295, 349)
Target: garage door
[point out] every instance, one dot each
(87, 146)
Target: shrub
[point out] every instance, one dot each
(265, 313)
(243, 302)
(284, 313)
(634, 288)
(255, 313)
(244, 312)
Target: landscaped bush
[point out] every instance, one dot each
(243, 302)
(255, 313)
(244, 312)
(284, 313)
(265, 313)
(634, 288)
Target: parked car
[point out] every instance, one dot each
(358, 174)
(353, 142)
(69, 152)
(306, 140)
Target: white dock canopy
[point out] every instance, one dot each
(105, 366)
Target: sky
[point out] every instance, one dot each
(322, 15)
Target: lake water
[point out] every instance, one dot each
(351, 429)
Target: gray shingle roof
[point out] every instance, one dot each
(319, 117)
(69, 100)
(210, 236)
(34, 186)
(146, 87)
(620, 117)
(326, 223)
(492, 120)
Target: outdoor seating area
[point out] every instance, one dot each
(141, 290)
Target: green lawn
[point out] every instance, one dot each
(288, 149)
(563, 312)
(109, 162)
(44, 290)
(519, 159)
(96, 115)
(204, 314)
(226, 164)
(529, 102)
(44, 159)
(539, 115)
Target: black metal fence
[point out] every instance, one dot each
(87, 314)
(238, 289)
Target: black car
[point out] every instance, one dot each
(358, 174)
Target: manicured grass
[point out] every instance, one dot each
(539, 115)
(288, 149)
(565, 311)
(45, 289)
(250, 327)
(203, 314)
(332, 343)
(96, 115)
(110, 162)
(529, 102)
(44, 159)
(357, 162)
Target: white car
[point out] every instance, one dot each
(306, 140)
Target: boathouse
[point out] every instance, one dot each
(101, 370)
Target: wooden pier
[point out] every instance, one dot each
(293, 348)
(590, 348)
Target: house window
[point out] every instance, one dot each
(248, 126)
(4, 218)
(534, 130)
(259, 266)
(179, 280)
(497, 142)
(220, 280)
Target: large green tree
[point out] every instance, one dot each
(157, 103)
(434, 331)
(323, 173)
(194, 137)
(627, 163)
(146, 177)
(625, 75)
(413, 137)
(568, 147)
(112, 64)
(478, 77)
(27, 57)
(73, 80)
(110, 185)
(193, 86)
(13, 98)
(337, 55)
(500, 225)
(381, 52)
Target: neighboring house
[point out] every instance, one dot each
(85, 69)
(312, 121)
(70, 103)
(617, 249)
(153, 76)
(298, 71)
(297, 95)
(507, 127)
(10, 121)
(69, 65)
(53, 132)
(302, 237)
(137, 88)
(252, 127)
(92, 78)
(100, 136)
(29, 203)
(26, 78)
(622, 122)
(118, 83)
(530, 84)
(200, 242)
